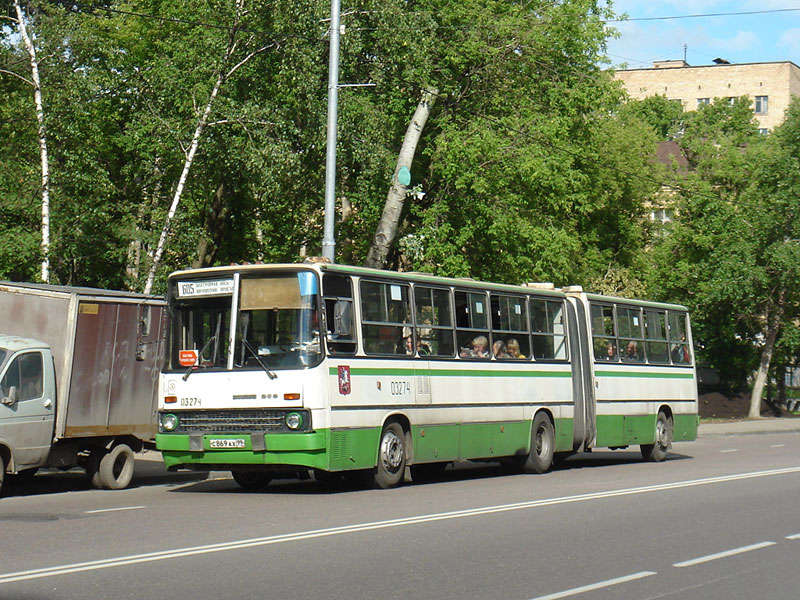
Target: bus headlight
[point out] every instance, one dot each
(169, 422)
(294, 420)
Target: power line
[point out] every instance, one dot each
(707, 15)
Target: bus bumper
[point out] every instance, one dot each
(284, 449)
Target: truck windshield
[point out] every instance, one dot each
(277, 322)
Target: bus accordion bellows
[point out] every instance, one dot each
(278, 370)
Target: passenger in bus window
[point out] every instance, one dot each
(499, 349)
(513, 349)
(422, 348)
(479, 348)
(632, 352)
(611, 354)
(680, 352)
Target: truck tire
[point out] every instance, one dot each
(116, 468)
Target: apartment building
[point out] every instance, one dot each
(769, 85)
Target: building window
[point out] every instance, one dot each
(701, 101)
(761, 105)
(763, 130)
(661, 215)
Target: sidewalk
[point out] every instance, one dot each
(748, 427)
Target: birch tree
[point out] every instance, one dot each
(224, 72)
(387, 227)
(35, 83)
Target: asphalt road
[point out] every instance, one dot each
(720, 519)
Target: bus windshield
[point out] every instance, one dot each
(276, 323)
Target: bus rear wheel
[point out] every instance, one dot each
(658, 451)
(252, 480)
(391, 457)
(543, 444)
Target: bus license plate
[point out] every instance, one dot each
(227, 444)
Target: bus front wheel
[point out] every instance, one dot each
(252, 480)
(391, 457)
(543, 443)
(658, 451)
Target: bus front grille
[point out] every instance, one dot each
(232, 421)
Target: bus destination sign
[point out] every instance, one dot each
(197, 288)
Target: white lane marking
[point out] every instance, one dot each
(718, 555)
(596, 586)
(105, 510)
(777, 445)
(731, 450)
(796, 536)
(319, 533)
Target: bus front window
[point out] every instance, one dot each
(200, 327)
(278, 322)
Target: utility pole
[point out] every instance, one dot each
(329, 240)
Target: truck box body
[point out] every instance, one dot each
(107, 351)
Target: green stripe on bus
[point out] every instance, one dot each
(645, 374)
(399, 372)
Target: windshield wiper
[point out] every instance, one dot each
(189, 371)
(249, 346)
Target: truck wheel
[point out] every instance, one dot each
(116, 468)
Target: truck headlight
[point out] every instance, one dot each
(169, 422)
(294, 420)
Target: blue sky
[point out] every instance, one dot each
(737, 38)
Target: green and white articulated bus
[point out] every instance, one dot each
(279, 370)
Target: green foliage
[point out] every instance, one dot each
(527, 169)
(665, 116)
(733, 254)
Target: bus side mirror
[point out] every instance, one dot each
(12, 397)
(343, 318)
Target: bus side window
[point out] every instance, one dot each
(679, 344)
(604, 333)
(509, 327)
(655, 326)
(631, 340)
(547, 328)
(338, 295)
(472, 323)
(434, 321)
(385, 317)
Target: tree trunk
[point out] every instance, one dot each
(42, 134)
(215, 224)
(387, 228)
(187, 165)
(773, 328)
(222, 77)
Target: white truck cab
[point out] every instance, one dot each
(27, 403)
